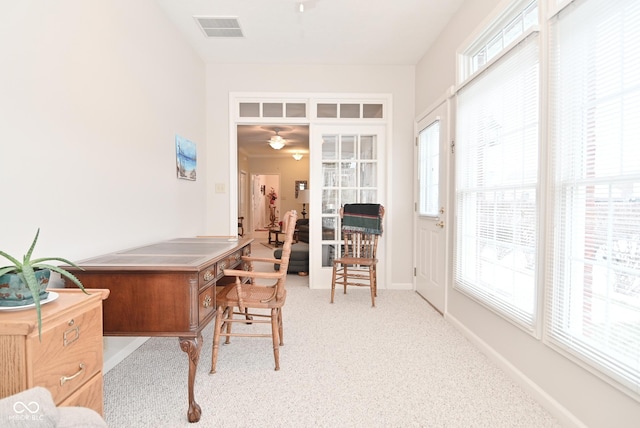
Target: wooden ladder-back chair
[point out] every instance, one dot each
(256, 303)
(361, 228)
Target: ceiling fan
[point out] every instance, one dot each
(277, 142)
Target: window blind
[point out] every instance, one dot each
(593, 294)
(496, 184)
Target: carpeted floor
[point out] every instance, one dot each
(343, 365)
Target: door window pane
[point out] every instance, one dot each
(350, 111)
(367, 147)
(272, 110)
(348, 147)
(296, 110)
(328, 110)
(368, 175)
(372, 111)
(249, 110)
(429, 170)
(329, 147)
(348, 174)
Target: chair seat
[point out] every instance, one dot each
(256, 296)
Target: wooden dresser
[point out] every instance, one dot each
(68, 360)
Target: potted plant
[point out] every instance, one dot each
(24, 283)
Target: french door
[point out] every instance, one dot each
(350, 169)
(432, 207)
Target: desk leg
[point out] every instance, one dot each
(192, 348)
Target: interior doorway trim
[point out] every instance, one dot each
(314, 110)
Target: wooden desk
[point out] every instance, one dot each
(164, 289)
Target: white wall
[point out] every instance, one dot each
(92, 94)
(396, 80)
(555, 378)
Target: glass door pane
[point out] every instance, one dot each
(429, 170)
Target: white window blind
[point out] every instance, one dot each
(593, 295)
(496, 183)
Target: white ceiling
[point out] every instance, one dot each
(354, 32)
(329, 32)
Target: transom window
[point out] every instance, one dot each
(523, 16)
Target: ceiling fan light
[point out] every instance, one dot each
(297, 156)
(277, 142)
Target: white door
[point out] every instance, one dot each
(432, 207)
(347, 167)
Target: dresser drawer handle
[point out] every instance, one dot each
(208, 275)
(68, 339)
(64, 379)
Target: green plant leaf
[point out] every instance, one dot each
(27, 256)
(29, 277)
(12, 259)
(7, 269)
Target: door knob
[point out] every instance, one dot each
(440, 224)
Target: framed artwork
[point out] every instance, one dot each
(186, 158)
(300, 185)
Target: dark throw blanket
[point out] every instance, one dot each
(365, 218)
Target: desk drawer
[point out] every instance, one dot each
(206, 302)
(70, 353)
(230, 262)
(208, 274)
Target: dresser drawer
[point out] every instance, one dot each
(206, 302)
(70, 353)
(88, 395)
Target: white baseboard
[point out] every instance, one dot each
(564, 416)
(117, 349)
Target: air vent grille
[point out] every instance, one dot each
(213, 26)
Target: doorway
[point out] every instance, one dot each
(265, 211)
(432, 213)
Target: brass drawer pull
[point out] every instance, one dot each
(208, 275)
(68, 339)
(64, 379)
(206, 302)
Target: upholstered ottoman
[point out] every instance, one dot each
(299, 259)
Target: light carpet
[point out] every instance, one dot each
(343, 365)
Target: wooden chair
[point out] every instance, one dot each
(254, 300)
(361, 229)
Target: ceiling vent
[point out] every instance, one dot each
(219, 26)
